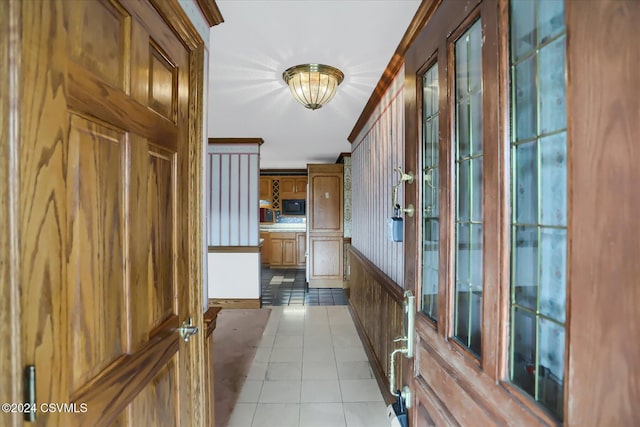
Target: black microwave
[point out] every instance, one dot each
(293, 207)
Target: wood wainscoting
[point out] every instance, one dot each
(376, 307)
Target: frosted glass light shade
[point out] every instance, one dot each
(313, 85)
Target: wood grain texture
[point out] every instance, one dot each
(604, 226)
(422, 15)
(42, 155)
(103, 246)
(234, 303)
(376, 303)
(226, 141)
(96, 221)
(10, 119)
(211, 12)
(108, 394)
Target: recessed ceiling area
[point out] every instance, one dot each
(259, 39)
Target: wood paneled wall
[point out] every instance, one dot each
(378, 150)
(376, 303)
(232, 188)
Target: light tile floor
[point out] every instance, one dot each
(310, 370)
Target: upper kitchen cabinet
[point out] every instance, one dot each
(293, 184)
(265, 190)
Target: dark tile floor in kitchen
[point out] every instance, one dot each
(288, 287)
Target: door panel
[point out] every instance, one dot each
(107, 256)
(96, 262)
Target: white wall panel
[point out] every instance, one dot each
(233, 195)
(377, 151)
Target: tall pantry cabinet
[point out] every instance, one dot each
(325, 225)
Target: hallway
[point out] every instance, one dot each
(310, 370)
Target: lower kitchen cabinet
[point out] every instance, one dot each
(283, 250)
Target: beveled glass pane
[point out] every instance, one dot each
(462, 316)
(463, 130)
(551, 368)
(462, 67)
(476, 322)
(525, 267)
(550, 19)
(476, 189)
(553, 179)
(476, 123)
(523, 36)
(524, 350)
(428, 142)
(462, 253)
(464, 196)
(475, 57)
(553, 116)
(435, 199)
(435, 139)
(430, 268)
(553, 271)
(475, 255)
(426, 95)
(526, 183)
(525, 96)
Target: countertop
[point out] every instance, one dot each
(274, 228)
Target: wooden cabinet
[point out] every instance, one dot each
(265, 250)
(283, 250)
(301, 249)
(293, 184)
(266, 189)
(325, 223)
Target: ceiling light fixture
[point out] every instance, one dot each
(313, 85)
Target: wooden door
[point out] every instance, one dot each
(109, 211)
(325, 225)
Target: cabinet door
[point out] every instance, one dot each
(276, 252)
(301, 184)
(265, 189)
(265, 252)
(326, 262)
(287, 185)
(289, 252)
(301, 248)
(325, 199)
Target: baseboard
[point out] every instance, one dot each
(234, 303)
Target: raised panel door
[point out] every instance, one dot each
(289, 252)
(276, 258)
(301, 185)
(265, 189)
(287, 185)
(301, 249)
(105, 162)
(326, 265)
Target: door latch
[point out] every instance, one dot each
(187, 329)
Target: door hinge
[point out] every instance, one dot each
(30, 393)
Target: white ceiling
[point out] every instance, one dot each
(259, 39)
